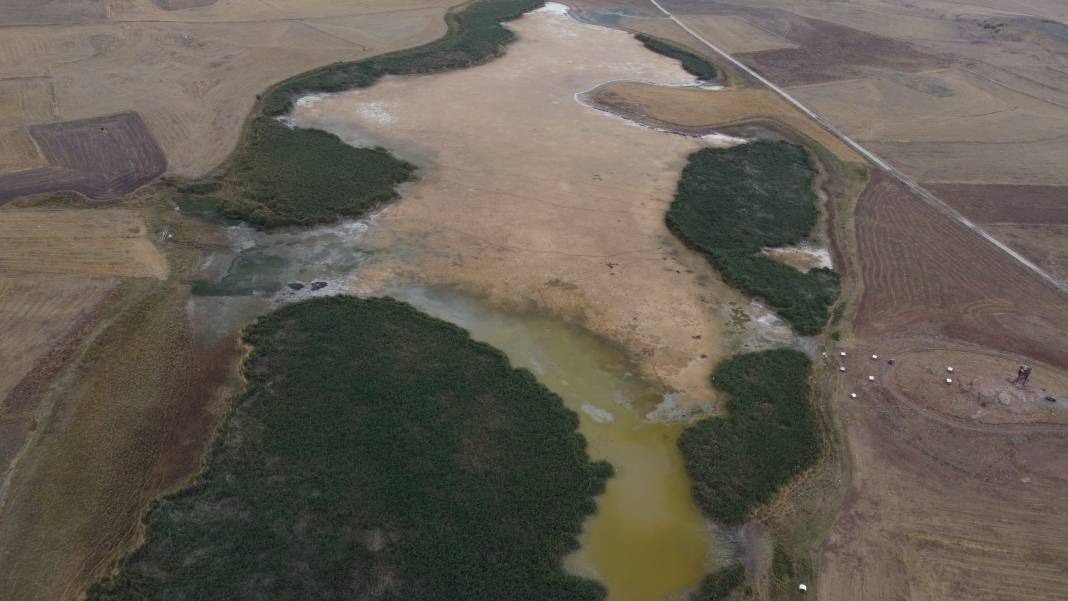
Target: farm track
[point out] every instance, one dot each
(916, 188)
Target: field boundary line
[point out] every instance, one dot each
(911, 184)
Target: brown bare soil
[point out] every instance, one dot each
(1007, 204)
(823, 50)
(1043, 245)
(182, 4)
(955, 485)
(192, 74)
(89, 241)
(944, 505)
(924, 272)
(736, 34)
(102, 158)
(830, 52)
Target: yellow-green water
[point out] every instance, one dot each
(648, 541)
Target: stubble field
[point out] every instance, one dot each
(193, 74)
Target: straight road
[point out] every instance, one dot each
(920, 191)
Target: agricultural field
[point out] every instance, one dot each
(42, 317)
(78, 241)
(84, 61)
(1031, 219)
(842, 349)
(933, 458)
(924, 272)
(102, 158)
(952, 488)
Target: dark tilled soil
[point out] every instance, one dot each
(925, 272)
(1005, 203)
(102, 158)
(827, 51)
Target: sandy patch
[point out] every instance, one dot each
(533, 200)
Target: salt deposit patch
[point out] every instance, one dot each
(723, 140)
(804, 256)
(375, 112)
(597, 414)
(554, 8)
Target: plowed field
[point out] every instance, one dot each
(102, 158)
(924, 272)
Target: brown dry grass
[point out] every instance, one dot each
(90, 241)
(192, 74)
(532, 200)
(17, 151)
(127, 420)
(35, 311)
(691, 107)
(734, 33)
(25, 100)
(43, 318)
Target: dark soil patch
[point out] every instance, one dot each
(103, 158)
(1006, 203)
(925, 272)
(827, 51)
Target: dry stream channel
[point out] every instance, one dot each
(648, 541)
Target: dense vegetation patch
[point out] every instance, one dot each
(731, 203)
(475, 35)
(200, 187)
(286, 176)
(770, 435)
(204, 207)
(718, 585)
(293, 176)
(695, 65)
(377, 453)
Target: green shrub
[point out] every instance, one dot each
(292, 176)
(475, 35)
(288, 176)
(204, 207)
(695, 65)
(732, 203)
(201, 187)
(375, 453)
(718, 585)
(769, 436)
